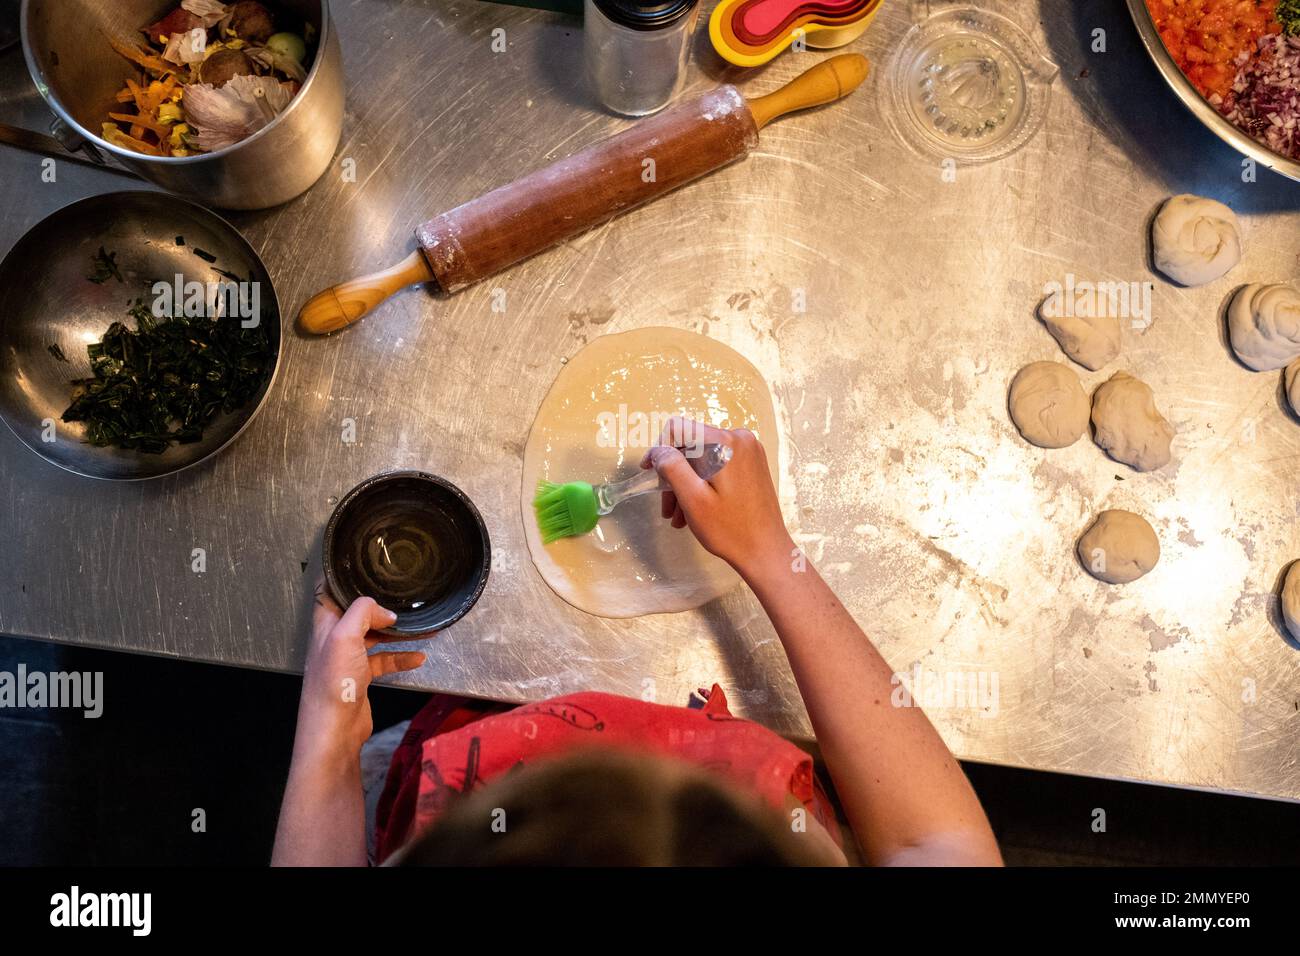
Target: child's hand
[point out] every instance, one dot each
(735, 514)
(335, 710)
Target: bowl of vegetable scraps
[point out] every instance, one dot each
(139, 335)
(235, 104)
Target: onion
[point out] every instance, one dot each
(1265, 97)
(237, 110)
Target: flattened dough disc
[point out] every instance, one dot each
(606, 407)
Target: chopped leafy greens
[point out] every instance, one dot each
(166, 380)
(1288, 14)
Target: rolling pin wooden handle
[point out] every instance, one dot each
(343, 304)
(828, 81)
(554, 204)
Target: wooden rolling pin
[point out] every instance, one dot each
(507, 225)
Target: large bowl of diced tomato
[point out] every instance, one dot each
(1236, 65)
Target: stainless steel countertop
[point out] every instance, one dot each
(949, 537)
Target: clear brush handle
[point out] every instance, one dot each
(709, 462)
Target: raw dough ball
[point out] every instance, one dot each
(607, 406)
(1048, 404)
(1092, 341)
(1293, 385)
(1264, 325)
(1119, 547)
(1196, 240)
(1291, 600)
(1129, 426)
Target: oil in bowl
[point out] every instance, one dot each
(412, 541)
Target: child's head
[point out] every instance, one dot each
(603, 808)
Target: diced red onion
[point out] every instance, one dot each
(1265, 97)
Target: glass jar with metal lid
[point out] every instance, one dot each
(636, 51)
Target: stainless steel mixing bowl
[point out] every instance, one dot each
(79, 73)
(47, 300)
(1199, 106)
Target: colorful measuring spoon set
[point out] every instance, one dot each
(751, 32)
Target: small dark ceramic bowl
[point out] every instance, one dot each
(412, 541)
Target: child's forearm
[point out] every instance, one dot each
(323, 816)
(905, 795)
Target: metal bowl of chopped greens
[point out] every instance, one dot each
(139, 335)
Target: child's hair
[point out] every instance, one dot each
(605, 808)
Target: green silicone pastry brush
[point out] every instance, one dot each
(574, 508)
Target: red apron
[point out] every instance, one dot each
(454, 745)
